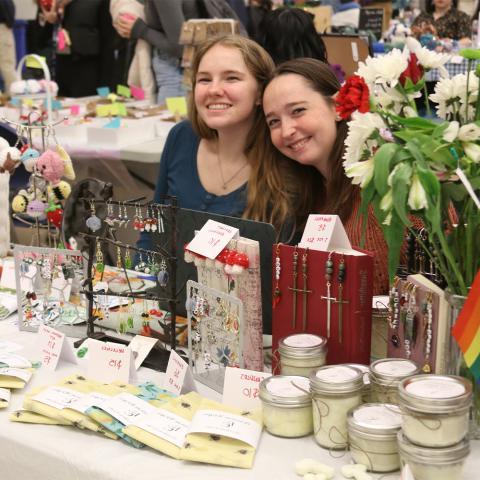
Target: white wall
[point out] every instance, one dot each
(25, 9)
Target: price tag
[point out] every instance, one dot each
(5, 394)
(178, 377)
(212, 239)
(325, 233)
(127, 407)
(166, 425)
(53, 347)
(58, 397)
(241, 388)
(140, 347)
(24, 375)
(14, 361)
(108, 362)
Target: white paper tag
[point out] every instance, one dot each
(165, 425)
(463, 178)
(140, 347)
(108, 362)
(324, 233)
(303, 340)
(337, 374)
(227, 424)
(7, 279)
(178, 377)
(212, 239)
(5, 394)
(58, 397)
(435, 389)
(14, 361)
(127, 407)
(381, 416)
(241, 388)
(89, 400)
(24, 375)
(396, 367)
(354, 51)
(54, 346)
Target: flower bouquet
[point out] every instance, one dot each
(408, 166)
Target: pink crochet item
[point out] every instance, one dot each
(50, 166)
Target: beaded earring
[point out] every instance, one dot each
(99, 266)
(276, 291)
(93, 222)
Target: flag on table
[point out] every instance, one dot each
(466, 330)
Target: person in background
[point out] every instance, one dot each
(256, 11)
(290, 33)
(161, 29)
(444, 20)
(7, 43)
(240, 9)
(347, 15)
(300, 112)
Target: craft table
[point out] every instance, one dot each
(44, 452)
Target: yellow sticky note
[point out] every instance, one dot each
(112, 97)
(124, 91)
(32, 62)
(103, 110)
(28, 102)
(114, 109)
(121, 109)
(177, 105)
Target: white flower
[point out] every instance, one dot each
(360, 172)
(388, 219)
(385, 69)
(472, 150)
(451, 132)
(429, 59)
(392, 174)
(417, 197)
(386, 203)
(469, 132)
(409, 112)
(445, 97)
(360, 128)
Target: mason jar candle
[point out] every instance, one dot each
(428, 463)
(336, 389)
(301, 353)
(287, 406)
(386, 374)
(366, 398)
(372, 436)
(435, 408)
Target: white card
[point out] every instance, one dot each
(54, 346)
(127, 407)
(108, 362)
(241, 388)
(325, 233)
(58, 397)
(5, 394)
(212, 239)
(227, 424)
(140, 347)
(20, 373)
(14, 361)
(178, 377)
(89, 400)
(7, 279)
(165, 425)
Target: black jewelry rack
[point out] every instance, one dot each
(158, 357)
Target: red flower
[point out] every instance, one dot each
(354, 95)
(414, 71)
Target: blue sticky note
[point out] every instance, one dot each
(114, 123)
(56, 104)
(16, 102)
(103, 91)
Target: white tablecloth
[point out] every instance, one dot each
(44, 452)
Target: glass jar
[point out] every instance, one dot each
(436, 409)
(372, 436)
(302, 353)
(366, 397)
(336, 389)
(287, 410)
(385, 375)
(428, 463)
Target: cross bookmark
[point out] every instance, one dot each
(341, 281)
(294, 288)
(328, 298)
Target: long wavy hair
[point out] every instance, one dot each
(302, 189)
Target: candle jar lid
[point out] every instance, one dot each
(437, 394)
(302, 345)
(365, 369)
(336, 379)
(285, 391)
(375, 420)
(389, 371)
(430, 455)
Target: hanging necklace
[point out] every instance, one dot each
(226, 182)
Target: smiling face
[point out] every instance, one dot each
(302, 122)
(226, 93)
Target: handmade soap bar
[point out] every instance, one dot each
(14, 377)
(24, 416)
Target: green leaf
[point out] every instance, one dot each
(367, 196)
(414, 149)
(400, 189)
(382, 160)
(429, 181)
(470, 53)
(439, 130)
(454, 191)
(394, 234)
(415, 122)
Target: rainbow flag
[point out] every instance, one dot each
(466, 330)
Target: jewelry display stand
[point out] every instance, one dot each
(215, 333)
(327, 294)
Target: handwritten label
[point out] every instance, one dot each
(227, 424)
(212, 239)
(127, 407)
(177, 105)
(14, 361)
(178, 377)
(58, 397)
(108, 362)
(140, 347)
(24, 375)
(54, 346)
(5, 394)
(165, 425)
(91, 399)
(371, 19)
(241, 388)
(324, 233)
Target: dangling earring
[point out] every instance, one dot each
(276, 291)
(163, 274)
(100, 266)
(93, 222)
